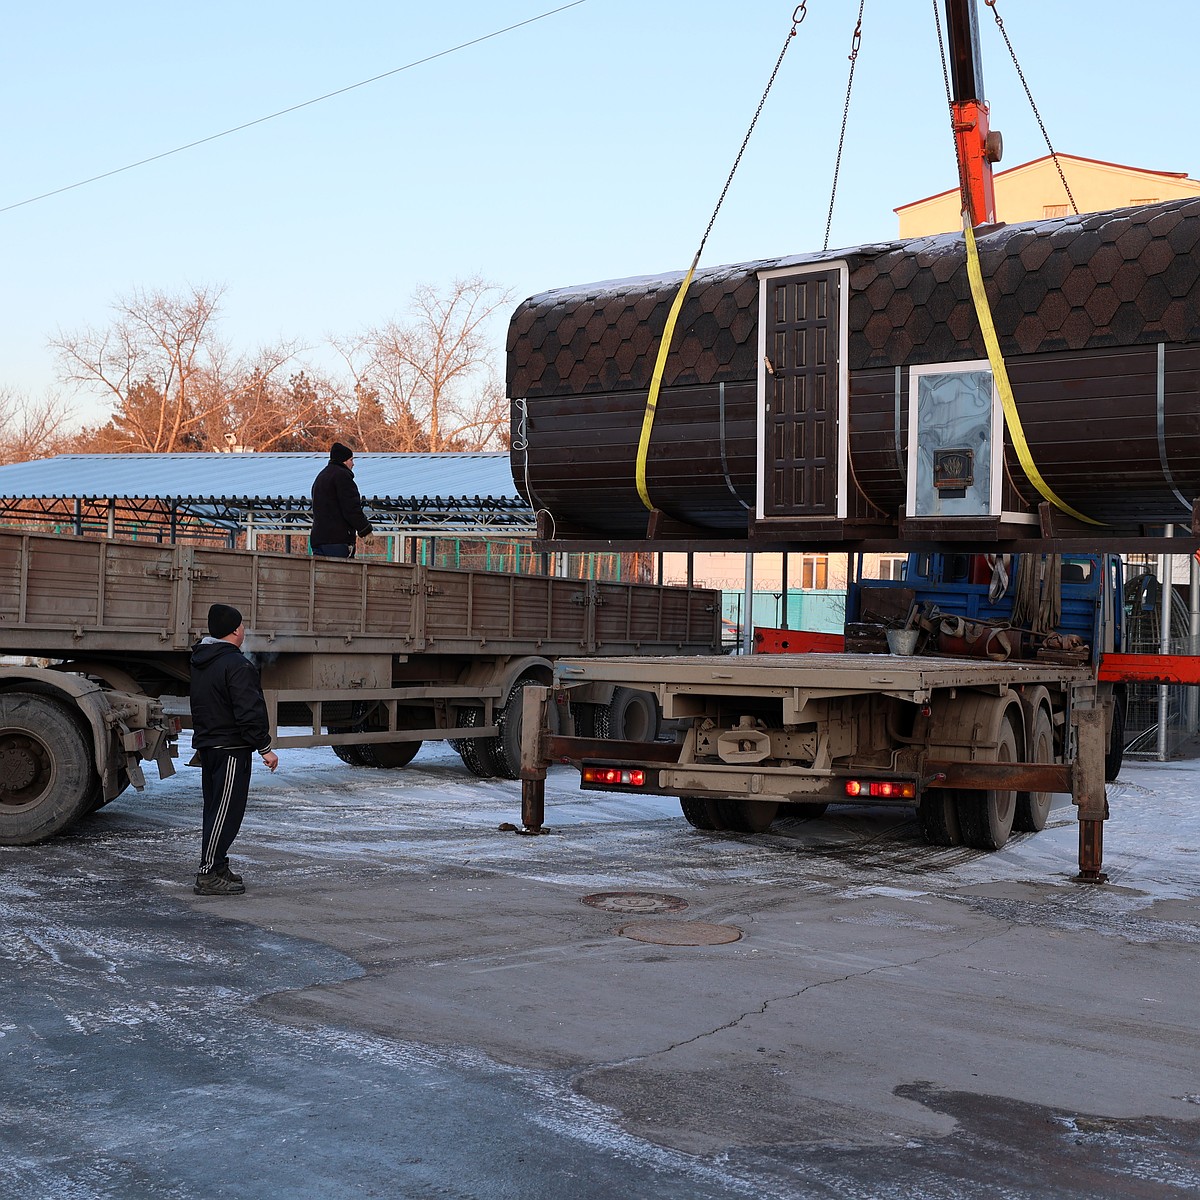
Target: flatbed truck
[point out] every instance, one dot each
(978, 745)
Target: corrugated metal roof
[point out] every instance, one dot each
(470, 495)
(385, 480)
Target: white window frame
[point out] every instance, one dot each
(996, 489)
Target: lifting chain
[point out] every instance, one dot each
(855, 44)
(798, 15)
(1032, 104)
(643, 450)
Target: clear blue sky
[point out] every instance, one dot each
(589, 145)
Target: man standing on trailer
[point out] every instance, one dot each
(229, 723)
(337, 507)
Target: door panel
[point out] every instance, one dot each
(801, 419)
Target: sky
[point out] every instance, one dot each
(587, 145)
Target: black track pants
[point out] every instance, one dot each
(225, 779)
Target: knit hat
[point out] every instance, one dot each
(223, 619)
(339, 453)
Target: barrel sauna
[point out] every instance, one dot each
(847, 395)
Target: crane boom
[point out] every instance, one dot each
(977, 145)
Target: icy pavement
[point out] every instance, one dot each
(410, 1003)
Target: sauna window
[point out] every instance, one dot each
(953, 442)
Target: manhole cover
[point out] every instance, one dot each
(635, 902)
(680, 933)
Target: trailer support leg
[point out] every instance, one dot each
(1088, 793)
(533, 804)
(533, 760)
(1091, 851)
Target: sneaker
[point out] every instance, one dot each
(216, 884)
(225, 870)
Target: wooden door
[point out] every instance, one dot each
(800, 443)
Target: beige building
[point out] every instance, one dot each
(1033, 191)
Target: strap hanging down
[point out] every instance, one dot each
(1012, 418)
(643, 450)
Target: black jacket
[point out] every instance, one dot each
(228, 709)
(337, 508)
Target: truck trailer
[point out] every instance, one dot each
(369, 658)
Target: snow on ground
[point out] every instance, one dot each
(316, 810)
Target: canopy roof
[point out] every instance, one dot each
(469, 495)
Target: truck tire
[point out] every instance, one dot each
(388, 754)
(701, 813)
(986, 818)
(810, 810)
(350, 754)
(938, 817)
(1115, 754)
(506, 753)
(1033, 808)
(47, 776)
(748, 816)
(474, 751)
(632, 716)
(591, 720)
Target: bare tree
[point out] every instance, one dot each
(433, 377)
(32, 428)
(152, 362)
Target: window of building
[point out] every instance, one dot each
(814, 572)
(1060, 210)
(892, 568)
(1146, 200)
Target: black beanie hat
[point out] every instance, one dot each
(339, 453)
(223, 619)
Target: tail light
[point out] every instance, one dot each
(614, 776)
(883, 789)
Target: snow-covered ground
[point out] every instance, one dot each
(435, 812)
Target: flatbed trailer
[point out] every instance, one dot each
(978, 747)
(370, 658)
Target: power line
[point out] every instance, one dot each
(294, 108)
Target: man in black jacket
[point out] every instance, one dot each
(337, 507)
(229, 723)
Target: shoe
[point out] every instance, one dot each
(225, 870)
(216, 884)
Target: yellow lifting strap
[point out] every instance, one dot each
(1000, 373)
(660, 363)
(643, 452)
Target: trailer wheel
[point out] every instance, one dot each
(809, 811)
(701, 813)
(1115, 753)
(388, 754)
(350, 754)
(987, 817)
(473, 751)
(632, 716)
(506, 752)
(748, 816)
(1033, 808)
(47, 777)
(938, 816)
(591, 720)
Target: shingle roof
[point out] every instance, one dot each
(1125, 277)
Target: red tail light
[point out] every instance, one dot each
(617, 776)
(885, 789)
